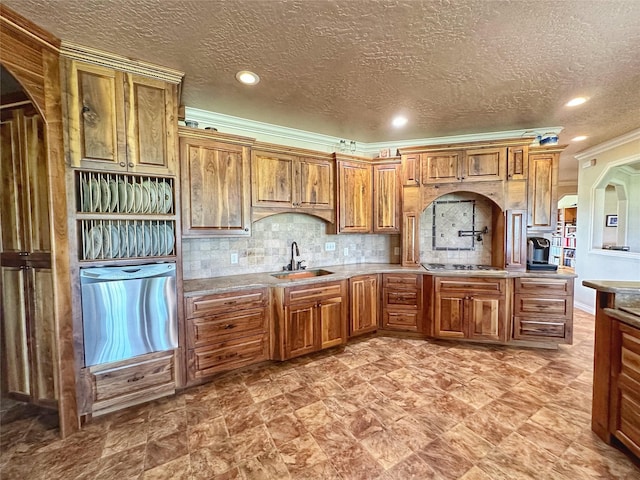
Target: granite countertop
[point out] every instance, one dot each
(613, 286)
(230, 283)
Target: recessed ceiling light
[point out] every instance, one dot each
(247, 77)
(399, 121)
(574, 102)
(579, 138)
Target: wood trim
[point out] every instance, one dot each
(300, 152)
(507, 142)
(188, 132)
(86, 54)
(27, 29)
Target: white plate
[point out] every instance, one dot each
(155, 244)
(105, 196)
(94, 195)
(131, 197)
(115, 198)
(124, 241)
(132, 241)
(122, 196)
(168, 239)
(110, 241)
(137, 198)
(146, 197)
(165, 197)
(86, 204)
(93, 243)
(146, 230)
(152, 192)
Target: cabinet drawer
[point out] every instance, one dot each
(307, 293)
(400, 320)
(127, 383)
(207, 305)
(205, 361)
(401, 281)
(207, 330)
(556, 286)
(400, 298)
(540, 306)
(471, 285)
(539, 329)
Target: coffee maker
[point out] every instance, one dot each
(538, 254)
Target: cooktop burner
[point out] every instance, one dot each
(457, 266)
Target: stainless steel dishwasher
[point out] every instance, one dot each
(128, 311)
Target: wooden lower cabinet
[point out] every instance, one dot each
(117, 385)
(543, 309)
(226, 331)
(402, 302)
(309, 318)
(364, 300)
(624, 408)
(470, 308)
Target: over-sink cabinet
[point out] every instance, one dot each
(309, 318)
(291, 180)
(470, 308)
(120, 121)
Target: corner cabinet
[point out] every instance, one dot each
(215, 184)
(309, 318)
(291, 180)
(120, 121)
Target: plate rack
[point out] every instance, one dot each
(123, 216)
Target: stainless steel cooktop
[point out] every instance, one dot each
(434, 267)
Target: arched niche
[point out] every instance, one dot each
(463, 227)
(616, 209)
(31, 56)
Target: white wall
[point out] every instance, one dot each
(592, 262)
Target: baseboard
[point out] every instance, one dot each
(585, 308)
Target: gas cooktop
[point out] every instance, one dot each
(434, 267)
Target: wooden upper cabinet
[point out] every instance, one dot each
(287, 182)
(469, 165)
(411, 169)
(517, 162)
(120, 121)
(354, 197)
(542, 190)
(386, 198)
(215, 186)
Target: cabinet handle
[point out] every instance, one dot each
(85, 109)
(135, 378)
(462, 178)
(23, 254)
(130, 165)
(246, 229)
(229, 326)
(122, 164)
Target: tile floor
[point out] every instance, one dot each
(381, 408)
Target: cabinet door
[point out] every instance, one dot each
(215, 188)
(96, 117)
(542, 191)
(313, 184)
(485, 317)
(151, 115)
(354, 197)
(517, 163)
(410, 239)
(411, 169)
(483, 164)
(271, 180)
(516, 240)
(449, 315)
(300, 330)
(332, 323)
(441, 167)
(386, 198)
(16, 378)
(364, 304)
(24, 212)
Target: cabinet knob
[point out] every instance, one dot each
(130, 165)
(122, 164)
(246, 229)
(135, 378)
(85, 109)
(229, 326)
(23, 254)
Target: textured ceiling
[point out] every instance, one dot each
(345, 67)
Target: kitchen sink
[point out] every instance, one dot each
(298, 274)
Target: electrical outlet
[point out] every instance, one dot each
(346, 251)
(330, 246)
(396, 250)
(234, 258)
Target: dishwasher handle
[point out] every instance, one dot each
(132, 272)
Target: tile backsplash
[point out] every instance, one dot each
(269, 248)
(455, 213)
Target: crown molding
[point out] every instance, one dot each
(94, 56)
(292, 136)
(631, 136)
